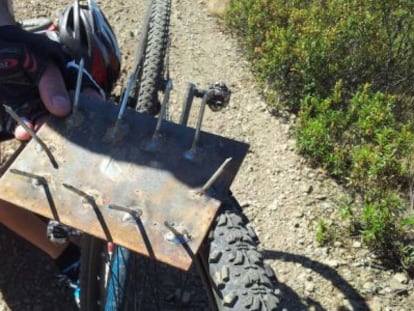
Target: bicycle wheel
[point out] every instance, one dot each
(239, 278)
(150, 75)
(92, 273)
(228, 274)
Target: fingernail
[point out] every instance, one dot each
(61, 103)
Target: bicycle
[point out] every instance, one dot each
(228, 262)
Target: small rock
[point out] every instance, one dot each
(376, 304)
(357, 244)
(245, 204)
(369, 287)
(325, 205)
(401, 278)
(333, 263)
(384, 291)
(308, 189)
(396, 286)
(348, 305)
(299, 214)
(309, 287)
(302, 277)
(274, 205)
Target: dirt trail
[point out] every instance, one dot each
(281, 195)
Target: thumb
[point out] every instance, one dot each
(53, 92)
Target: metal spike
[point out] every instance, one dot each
(215, 176)
(89, 199)
(32, 133)
(134, 212)
(39, 180)
(125, 97)
(187, 104)
(154, 143)
(176, 236)
(164, 105)
(78, 85)
(191, 154)
(120, 129)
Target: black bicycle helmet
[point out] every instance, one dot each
(85, 32)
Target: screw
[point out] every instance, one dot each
(78, 85)
(45, 148)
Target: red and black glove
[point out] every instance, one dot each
(24, 56)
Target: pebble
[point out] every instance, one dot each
(384, 291)
(375, 304)
(333, 263)
(307, 189)
(299, 214)
(309, 287)
(401, 278)
(274, 205)
(396, 286)
(356, 244)
(369, 287)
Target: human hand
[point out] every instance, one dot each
(33, 67)
(54, 96)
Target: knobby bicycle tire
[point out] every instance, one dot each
(230, 264)
(240, 280)
(150, 78)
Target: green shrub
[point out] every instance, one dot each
(347, 68)
(360, 140)
(304, 47)
(364, 145)
(325, 232)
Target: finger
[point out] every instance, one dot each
(53, 92)
(20, 133)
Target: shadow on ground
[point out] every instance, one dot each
(27, 278)
(28, 282)
(291, 299)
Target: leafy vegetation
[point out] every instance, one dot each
(303, 48)
(324, 233)
(347, 68)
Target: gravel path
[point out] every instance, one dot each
(282, 196)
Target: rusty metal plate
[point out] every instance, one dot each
(139, 192)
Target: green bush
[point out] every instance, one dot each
(359, 140)
(347, 68)
(304, 47)
(363, 144)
